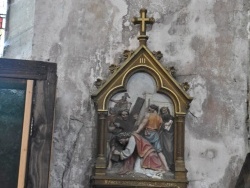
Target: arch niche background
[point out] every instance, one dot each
(142, 61)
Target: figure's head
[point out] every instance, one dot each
(164, 110)
(124, 114)
(124, 98)
(123, 137)
(153, 108)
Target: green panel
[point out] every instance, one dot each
(12, 101)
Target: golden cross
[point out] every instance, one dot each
(143, 20)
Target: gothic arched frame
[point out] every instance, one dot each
(142, 60)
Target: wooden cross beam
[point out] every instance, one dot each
(134, 112)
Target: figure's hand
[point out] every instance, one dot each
(116, 152)
(167, 127)
(137, 131)
(136, 116)
(117, 124)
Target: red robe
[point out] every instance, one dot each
(146, 152)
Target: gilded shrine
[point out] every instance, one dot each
(141, 121)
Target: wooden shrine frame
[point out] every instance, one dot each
(41, 75)
(141, 60)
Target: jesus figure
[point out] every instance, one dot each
(138, 147)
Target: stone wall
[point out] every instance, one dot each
(206, 41)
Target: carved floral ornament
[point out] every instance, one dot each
(134, 86)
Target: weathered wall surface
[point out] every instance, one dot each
(248, 89)
(207, 43)
(248, 101)
(20, 29)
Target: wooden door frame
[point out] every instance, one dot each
(25, 134)
(40, 140)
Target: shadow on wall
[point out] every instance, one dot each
(244, 177)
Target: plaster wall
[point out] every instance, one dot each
(19, 29)
(248, 107)
(206, 41)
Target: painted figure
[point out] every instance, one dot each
(137, 146)
(167, 136)
(151, 125)
(121, 104)
(115, 127)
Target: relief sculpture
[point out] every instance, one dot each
(140, 132)
(141, 120)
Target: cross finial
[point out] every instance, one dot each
(143, 21)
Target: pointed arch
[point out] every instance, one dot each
(160, 88)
